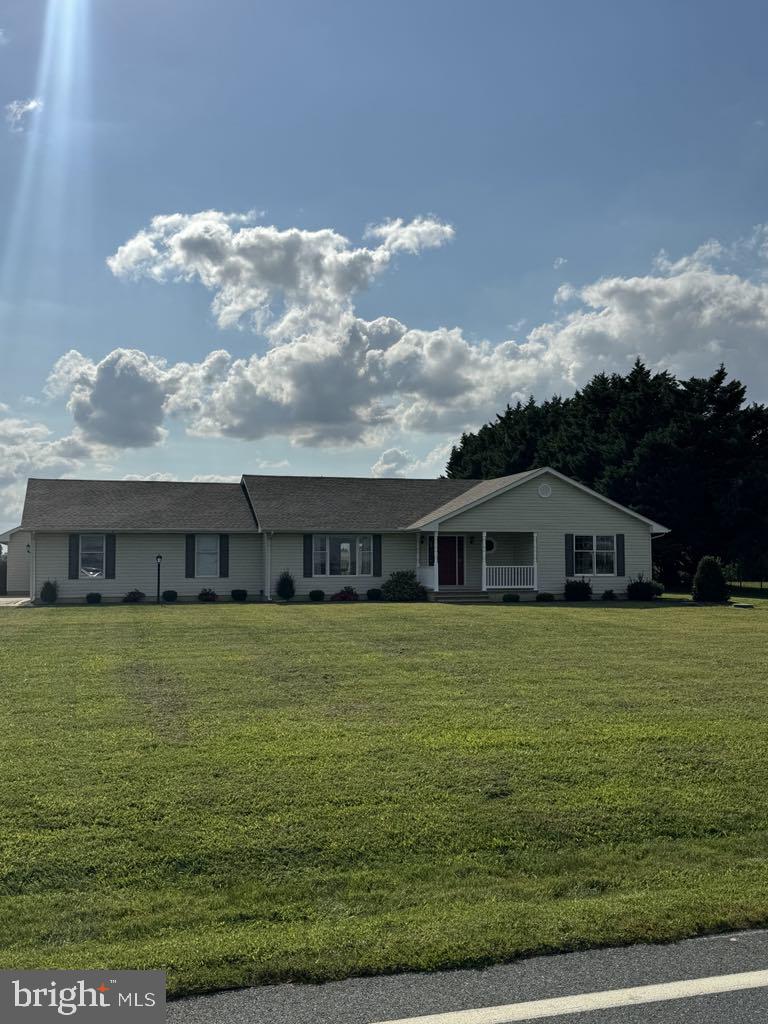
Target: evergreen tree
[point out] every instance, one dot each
(690, 454)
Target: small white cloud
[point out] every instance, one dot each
(559, 261)
(3, 37)
(154, 477)
(17, 111)
(216, 478)
(565, 293)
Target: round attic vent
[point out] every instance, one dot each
(544, 490)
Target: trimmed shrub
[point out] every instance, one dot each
(403, 586)
(544, 596)
(169, 596)
(346, 594)
(642, 589)
(608, 595)
(49, 592)
(374, 594)
(286, 588)
(239, 595)
(317, 595)
(709, 583)
(510, 598)
(93, 598)
(207, 595)
(578, 590)
(134, 597)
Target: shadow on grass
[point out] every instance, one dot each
(750, 591)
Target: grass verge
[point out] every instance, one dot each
(248, 794)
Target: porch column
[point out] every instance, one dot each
(268, 566)
(483, 554)
(535, 561)
(437, 567)
(418, 553)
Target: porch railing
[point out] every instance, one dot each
(510, 577)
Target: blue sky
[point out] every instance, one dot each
(562, 168)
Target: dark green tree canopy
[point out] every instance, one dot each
(690, 454)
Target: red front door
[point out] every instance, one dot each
(450, 561)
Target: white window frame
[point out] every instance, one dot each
(87, 576)
(342, 576)
(208, 575)
(594, 574)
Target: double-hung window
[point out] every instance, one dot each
(342, 554)
(92, 556)
(207, 554)
(594, 554)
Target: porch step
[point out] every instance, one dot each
(467, 597)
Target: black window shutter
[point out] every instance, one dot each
(377, 554)
(620, 567)
(307, 554)
(110, 545)
(189, 561)
(74, 556)
(223, 554)
(569, 554)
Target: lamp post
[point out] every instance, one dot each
(158, 559)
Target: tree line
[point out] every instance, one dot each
(690, 454)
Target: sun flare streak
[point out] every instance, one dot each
(55, 142)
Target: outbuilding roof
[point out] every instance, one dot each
(136, 506)
(309, 503)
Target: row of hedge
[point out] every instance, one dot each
(709, 585)
(401, 586)
(49, 594)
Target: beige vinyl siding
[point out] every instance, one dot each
(18, 563)
(398, 551)
(136, 568)
(567, 510)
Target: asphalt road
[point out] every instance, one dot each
(398, 997)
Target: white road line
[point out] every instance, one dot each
(594, 1000)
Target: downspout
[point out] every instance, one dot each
(32, 566)
(268, 565)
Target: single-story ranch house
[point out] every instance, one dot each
(528, 532)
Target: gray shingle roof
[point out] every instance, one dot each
(480, 489)
(307, 503)
(135, 505)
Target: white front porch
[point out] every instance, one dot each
(477, 562)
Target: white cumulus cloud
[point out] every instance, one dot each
(275, 279)
(329, 377)
(28, 449)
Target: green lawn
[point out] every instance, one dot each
(241, 794)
